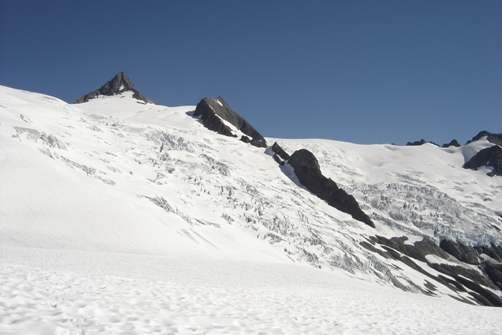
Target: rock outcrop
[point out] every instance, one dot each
(490, 137)
(308, 172)
(214, 113)
(421, 142)
(491, 156)
(480, 283)
(276, 148)
(462, 253)
(119, 84)
(494, 271)
(492, 251)
(453, 143)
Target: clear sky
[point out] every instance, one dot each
(358, 71)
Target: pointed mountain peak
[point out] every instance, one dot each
(120, 83)
(117, 85)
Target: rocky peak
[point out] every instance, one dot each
(117, 85)
(453, 143)
(421, 142)
(491, 137)
(214, 112)
(491, 156)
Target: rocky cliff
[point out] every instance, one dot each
(491, 156)
(217, 115)
(308, 172)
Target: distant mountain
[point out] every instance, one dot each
(490, 137)
(490, 156)
(115, 176)
(453, 143)
(421, 142)
(117, 85)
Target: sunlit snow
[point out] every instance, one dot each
(123, 217)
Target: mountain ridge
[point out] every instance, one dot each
(207, 188)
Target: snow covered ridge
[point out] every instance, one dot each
(484, 150)
(114, 176)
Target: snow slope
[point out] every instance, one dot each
(216, 297)
(421, 190)
(101, 191)
(186, 231)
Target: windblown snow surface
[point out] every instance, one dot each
(120, 217)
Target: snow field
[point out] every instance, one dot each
(197, 296)
(123, 218)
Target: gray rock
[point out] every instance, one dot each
(118, 84)
(245, 139)
(461, 252)
(420, 249)
(417, 250)
(491, 156)
(212, 111)
(308, 172)
(493, 251)
(279, 151)
(278, 159)
(421, 142)
(491, 137)
(460, 278)
(453, 143)
(494, 271)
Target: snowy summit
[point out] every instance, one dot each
(121, 216)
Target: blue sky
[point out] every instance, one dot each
(357, 71)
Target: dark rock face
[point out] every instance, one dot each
(421, 142)
(417, 250)
(459, 278)
(279, 151)
(453, 143)
(212, 111)
(470, 281)
(309, 174)
(491, 156)
(493, 251)
(278, 159)
(494, 271)
(491, 137)
(461, 252)
(119, 84)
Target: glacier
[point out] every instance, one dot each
(142, 203)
